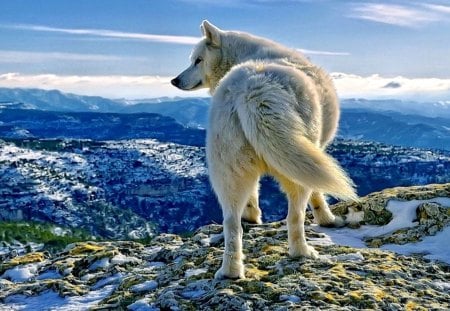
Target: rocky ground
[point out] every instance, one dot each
(176, 273)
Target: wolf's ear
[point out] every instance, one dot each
(211, 32)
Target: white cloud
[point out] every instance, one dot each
(438, 8)
(393, 14)
(378, 87)
(114, 86)
(135, 87)
(108, 33)
(324, 53)
(37, 57)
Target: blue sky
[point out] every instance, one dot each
(123, 48)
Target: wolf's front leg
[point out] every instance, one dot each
(233, 189)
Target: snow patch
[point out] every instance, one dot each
(434, 247)
(156, 264)
(141, 305)
(50, 300)
(60, 231)
(212, 239)
(192, 272)
(100, 264)
(349, 257)
(404, 216)
(122, 259)
(49, 275)
(144, 287)
(443, 286)
(21, 273)
(113, 279)
(193, 294)
(290, 298)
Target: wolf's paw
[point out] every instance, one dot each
(252, 214)
(305, 251)
(328, 219)
(334, 222)
(227, 273)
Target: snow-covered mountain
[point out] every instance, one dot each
(55, 100)
(55, 163)
(125, 188)
(405, 123)
(192, 112)
(187, 116)
(428, 109)
(96, 174)
(22, 123)
(395, 128)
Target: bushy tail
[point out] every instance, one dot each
(276, 132)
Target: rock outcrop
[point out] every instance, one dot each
(430, 216)
(176, 273)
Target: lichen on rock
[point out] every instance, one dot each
(431, 216)
(177, 273)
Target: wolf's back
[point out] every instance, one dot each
(265, 103)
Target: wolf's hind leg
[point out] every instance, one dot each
(252, 212)
(298, 197)
(322, 213)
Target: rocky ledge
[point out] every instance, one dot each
(176, 273)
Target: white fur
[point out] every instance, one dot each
(272, 112)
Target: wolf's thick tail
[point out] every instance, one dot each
(276, 132)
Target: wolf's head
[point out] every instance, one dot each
(207, 62)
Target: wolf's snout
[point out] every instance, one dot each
(175, 82)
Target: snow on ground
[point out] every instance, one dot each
(291, 298)
(121, 259)
(113, 279)
(141, 305)
(193, 294)
(51, 274)
(145, 287)
(101, 263)
(21, 273)
(444, 286)
(435, 247)
(212, 239)
(193, 272)
(404, 214)
(50, 300)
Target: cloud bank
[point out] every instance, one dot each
(112, 86)
(135, 87)
(378, 87)
(187, 40)
(323, 53)
(413, 15)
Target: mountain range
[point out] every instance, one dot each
(149, 170)
(76, 168)
(405, 123)
(134, 188)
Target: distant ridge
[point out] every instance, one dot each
(405, 123)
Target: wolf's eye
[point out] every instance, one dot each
(197, 61)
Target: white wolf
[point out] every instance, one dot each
(272, 112)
